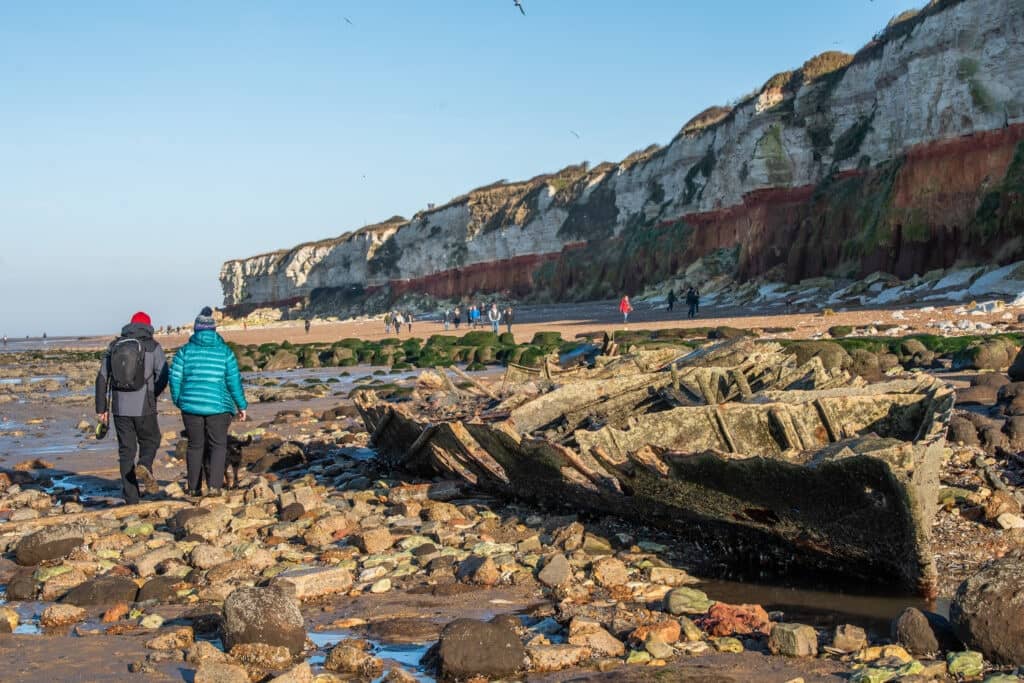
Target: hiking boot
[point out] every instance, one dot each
(146, 478)
(213, 493)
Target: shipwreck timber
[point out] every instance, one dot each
(747, 453)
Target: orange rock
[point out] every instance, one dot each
(668, 631)
(728, 620)
(116, 613)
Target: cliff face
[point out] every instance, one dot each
(904, 157)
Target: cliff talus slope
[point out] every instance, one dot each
(905, 157)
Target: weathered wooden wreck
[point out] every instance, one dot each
(772, 465)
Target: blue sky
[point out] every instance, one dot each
(143, 144)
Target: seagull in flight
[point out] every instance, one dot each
(575, 133)
(349, 21)
(519, 4)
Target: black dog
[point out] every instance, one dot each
(234, 459)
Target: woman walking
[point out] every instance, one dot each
(207, 387)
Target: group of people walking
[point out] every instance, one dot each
(692, 303)
(479, 316)
(205, 385)
(393, 320)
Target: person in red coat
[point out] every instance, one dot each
(625, 308)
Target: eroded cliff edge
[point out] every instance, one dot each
(904, 157)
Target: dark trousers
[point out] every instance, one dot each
(692, 313)
(206, 434)
(136, 437)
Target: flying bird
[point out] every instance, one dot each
(519, 4)
(575, 133)
(349, 21)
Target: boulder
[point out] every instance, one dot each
(282, 360)
(1016, 371)
(55, 616)
(979, 395)
(350, 657)
(793, 640)
(306, 584)
(556, 571)
(988, 611)
(263, 615)
(159, 588)
(51, 543)
(469, 648)
(849, 638)
(725, 620)
(373, 541)
(687, 601)
(610, 572)
(220, 672)
(962, 431)
(912, 630)
(103, 591)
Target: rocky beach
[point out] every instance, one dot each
(331, 562)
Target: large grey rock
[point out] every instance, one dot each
(103, 590)
(470, 648)
(988, 611)
(556, 571)
(263, 615)
(48, 544)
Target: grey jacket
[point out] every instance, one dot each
(143, 401)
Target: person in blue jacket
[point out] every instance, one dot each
(206, 386)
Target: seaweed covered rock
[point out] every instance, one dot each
(832, 355)
(988, 611)
(263, 615)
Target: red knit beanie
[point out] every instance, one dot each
(141, 318)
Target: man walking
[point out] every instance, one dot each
(671, 299)
(494, 317)
(691, 301)
(507, 317)
(134, 370)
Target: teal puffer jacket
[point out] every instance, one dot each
(204, 377)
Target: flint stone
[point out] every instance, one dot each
(205, 556)
(849, 638)
(793, 640)
(159, 588)
(202, 651)
(58, 585)
(470, 648)
(592, 635)
(544, 658)
(687, 601)
(263, 615)
(103, 591)
(610, 572)
(349, 658)
(218, 672)
(669, 576)
(373, 541)
(180, 638)
(300, 673)
(987, 612)
(306, 584)
(556, 571)
(262, 656)
(48, 544)
(61, 615)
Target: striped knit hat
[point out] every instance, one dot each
(205, 321)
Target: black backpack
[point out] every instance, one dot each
(127, 365)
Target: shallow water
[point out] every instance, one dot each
(407, 656)
(821, 608)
